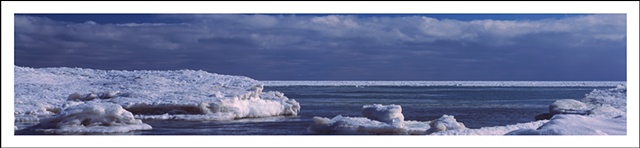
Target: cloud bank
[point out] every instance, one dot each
(336, 47)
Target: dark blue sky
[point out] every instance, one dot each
(334, 46)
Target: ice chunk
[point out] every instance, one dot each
(384, 113)
(92, 118)
(569, 106)
(381, 120)
(353, 125)
(608, 103)
(578, 125)
(365, 126)
(615, 97)
(148, 94)
(607, 111)
(496, 130)
(605, 103)
(416, 127)
(444, 123)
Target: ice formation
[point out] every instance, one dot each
(601, 103)
(180, 94)
(449, 83)
(568, 106)
(496, 130)
(601, 112)
(446, 122)
(382, 120)
(615, 97)
(566, 124)
(384, 113)
(91, 117)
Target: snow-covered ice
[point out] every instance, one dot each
(444, 123)
(601, 112)
(382, 120)
(92, 117)
(601, 103)
(496, 130)
(353, 125)
(384, 113)
(568, 106)
(449, 83)
(615, 97)
(184, 94)
(567, 124)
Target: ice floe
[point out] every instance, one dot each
(179, 94)
(495, 130)
(567, 124)
(91, 118)
(381, 120)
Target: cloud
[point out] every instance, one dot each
(335, 21)
(412, 46)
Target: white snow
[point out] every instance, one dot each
(446, 122)
(384, 113)
(353, 125)
(180, 93)
(381, 120)
(448, 83)
(615, 97)
(606, 111)
(568, 106)
(566, 124)
(605, 115)
(92, 117)
(26, 118)
(598, 103)
(496, 130)
(601, 112)
(607, 103)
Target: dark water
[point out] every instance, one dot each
(474, 106)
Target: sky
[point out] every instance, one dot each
(435, 47)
